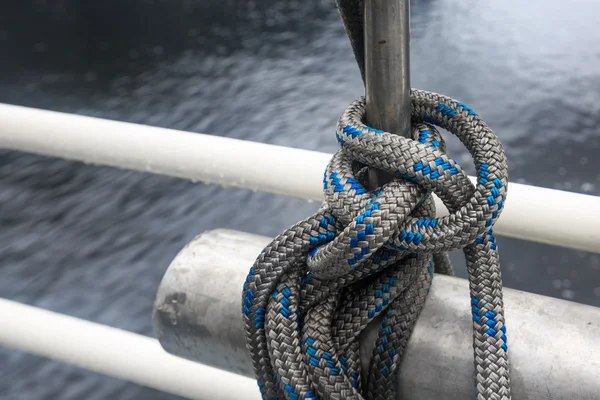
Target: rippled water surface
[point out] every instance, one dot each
(94, 242)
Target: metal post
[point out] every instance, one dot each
(387, 65)
(387, 68)
(387, 87)
(553, 344)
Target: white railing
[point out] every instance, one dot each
(117, 353)
(532, 213)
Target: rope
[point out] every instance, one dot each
(371, 254)
(317, 285)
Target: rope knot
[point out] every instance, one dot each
(401, 215)
(367, 253)
(368, 220)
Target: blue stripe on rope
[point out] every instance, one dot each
(360, 235)
(434, 173)
(446, 110)
(491, 322)
(385, 330)
(261, 388)
(423, 135)
(494, 193)
(354, 377)
(284, 301)
(314, 359)
(427, 222)
(378, 131)
(339, 184)
(352, 131)
(320, 238)
(307, 278)
(383, 294)
(466, 108)
(410, 237)
(489, 235)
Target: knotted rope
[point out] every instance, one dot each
(317, 285)
(371, 253)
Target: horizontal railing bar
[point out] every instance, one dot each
(531, 213)
(116, 353)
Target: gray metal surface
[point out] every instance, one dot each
(387, 65)
(197, 312)
(387, 70)
(554, 348)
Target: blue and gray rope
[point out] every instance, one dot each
(317, 285)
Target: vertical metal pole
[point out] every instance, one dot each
(387, 64)
(387, 68)
(387, 83)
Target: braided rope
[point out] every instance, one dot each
(318, 284)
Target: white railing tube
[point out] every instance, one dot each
(117, 353)
(531, 213)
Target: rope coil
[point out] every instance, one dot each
(366, 254)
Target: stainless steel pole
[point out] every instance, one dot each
(387, 87)
(554, 346)
(387, 65)
(387, 69)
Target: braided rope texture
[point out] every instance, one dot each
(367, 253)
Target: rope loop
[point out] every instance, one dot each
(370, 254)
(421, 160)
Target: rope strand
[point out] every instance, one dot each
(318, 284)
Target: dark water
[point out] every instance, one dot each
(94, 242)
